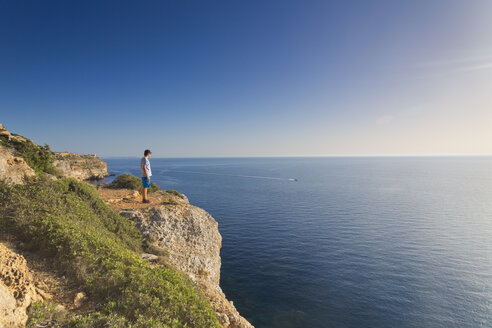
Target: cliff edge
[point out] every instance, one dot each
(182, 235)
(82, 167)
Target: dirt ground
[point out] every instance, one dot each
(121, 199)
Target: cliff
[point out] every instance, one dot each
(185, 236)
(21, 157)
(97, 258)
(82, 167)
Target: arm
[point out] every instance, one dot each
(145, 170)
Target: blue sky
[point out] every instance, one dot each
(249, 78)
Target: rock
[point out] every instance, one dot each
(79, 299)
(45, 296)
(82, 167)
(60, 308)
(149, 257)
(13, 169)
(17, 290)
(191, 237)
(4, 133)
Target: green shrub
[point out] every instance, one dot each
(154, 187)
(175, 193)
(46, 314)
(39, 158)
(170, 202)
(98, 249)
(129, 181)
(126, 181)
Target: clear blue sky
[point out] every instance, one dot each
(249, 78)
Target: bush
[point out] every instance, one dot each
(129, 181)
(126, 181)
(39, 158)
(175, 193)
(98, 249)
(46, 314)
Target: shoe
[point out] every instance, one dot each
(146, 201)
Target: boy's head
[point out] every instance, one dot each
(147, 152)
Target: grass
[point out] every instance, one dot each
(39, 158)
(129, 181)
(98, 249)
(170, 202)
(175, 193)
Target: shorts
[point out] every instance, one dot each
(145, 183)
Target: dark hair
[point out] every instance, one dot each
(147, 151)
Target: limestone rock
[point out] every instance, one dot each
(191, 237)
(13, 168)
(4, 132)
(82, 167)
(151, 258)
(17, 290)
(79, 299)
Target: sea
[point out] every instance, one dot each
(346, 241)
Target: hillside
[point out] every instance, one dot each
(85, 265)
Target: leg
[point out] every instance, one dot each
(144, 194)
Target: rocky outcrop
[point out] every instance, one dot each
(13, 168)
(4, 133)
(192, 242)
(17, 290)
(82, 167)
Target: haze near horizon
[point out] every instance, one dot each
(256, 78)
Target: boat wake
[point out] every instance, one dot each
(236, 175)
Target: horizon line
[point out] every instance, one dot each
(314, 156)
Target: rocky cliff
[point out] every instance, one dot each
(20, 157)
(82, 167)
(189, 238)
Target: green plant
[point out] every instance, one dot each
(126, 181)
(175, 193)
(170, 202)
(46, 314)
(39, 158)
(98, 249)
(154, 187)
(129, 181)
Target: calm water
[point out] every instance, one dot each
(354, 242)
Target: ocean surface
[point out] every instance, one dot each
(346, 242)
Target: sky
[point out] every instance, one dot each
(249, 78)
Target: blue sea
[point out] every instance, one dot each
(346, 242)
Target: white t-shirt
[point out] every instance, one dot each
(145, 161)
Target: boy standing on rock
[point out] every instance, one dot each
(146, 173)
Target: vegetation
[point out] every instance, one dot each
(46, 314)
(175, 193)
(129, 181)
(98, 249)
(170, 202)
(39, 158)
